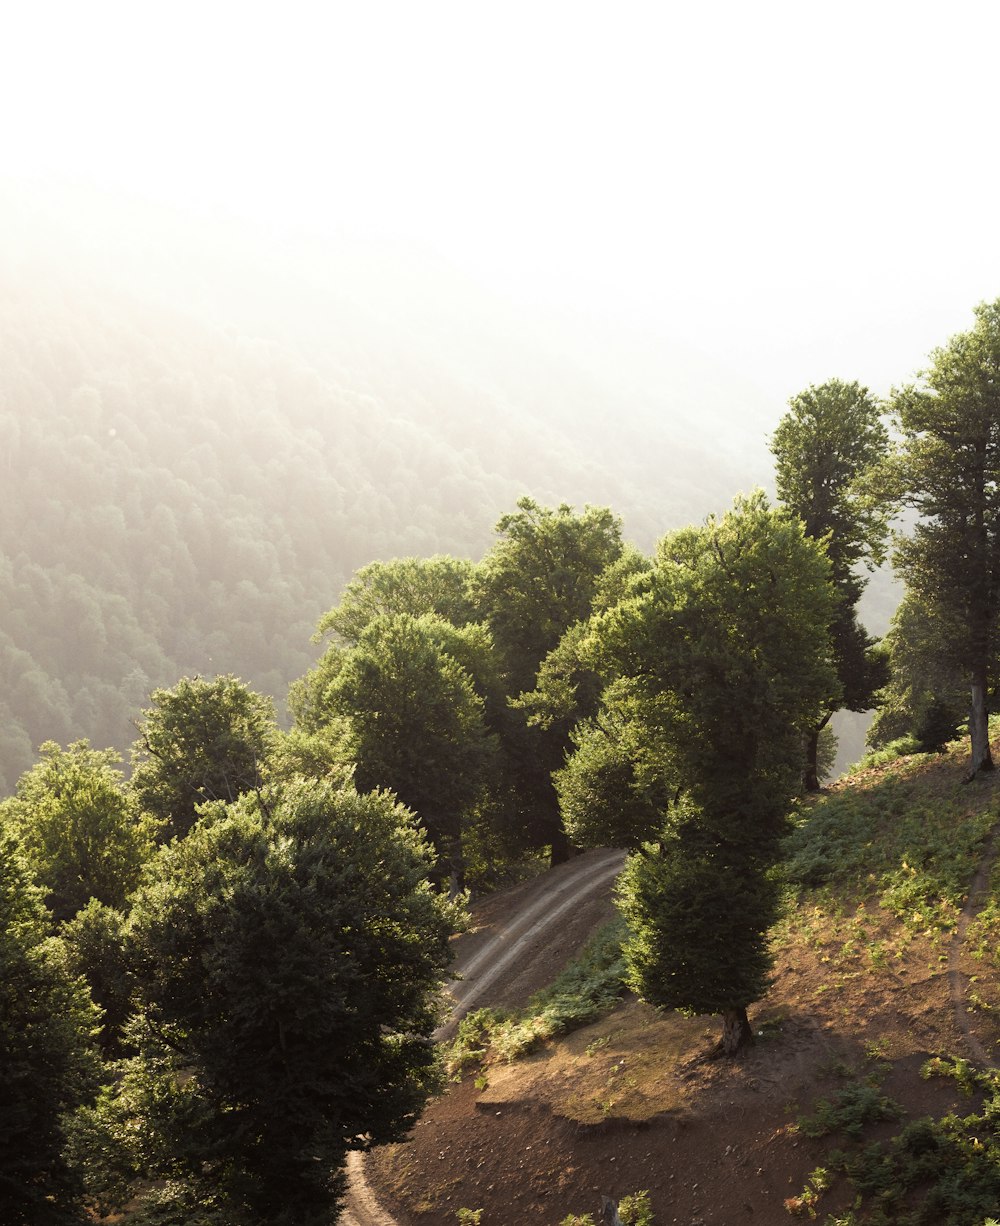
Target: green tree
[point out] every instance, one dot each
(613, 789)
(541, 577)
(95, 949)
(824, 446)
(411, 586)
(79, 826)
(48, 1063)
(405, 585)
(726, 657)
(924, 697)
(947, 468)
(203, 739)
(287, 957)
(416, 725)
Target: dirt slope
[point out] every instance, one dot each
(624, 1105)
(518, 942)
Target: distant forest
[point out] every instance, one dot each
(180, 497)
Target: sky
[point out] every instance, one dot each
(793, 190)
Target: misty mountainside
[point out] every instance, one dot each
(189, 477)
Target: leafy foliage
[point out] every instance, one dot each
(48, 1063)
(411, 586)
(202, 739)
(699, 917)
(849, 1111)
(936, 1172)
(415, 725)
(725, 655)
(95, 950)
(925, 695)
(79, 826)
(824, 446)
(540, 577)
(608, 791)
(286, 956)
(947, 467)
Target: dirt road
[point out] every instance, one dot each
(520, 940)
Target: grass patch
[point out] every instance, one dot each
(911, 836)
(934, 1172)
(590, 986)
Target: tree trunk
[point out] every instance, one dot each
(456, 866)
(609, 1212)
(810, 775)
(736, 1032)
(982, 758)
(981, 620)
(560, 852)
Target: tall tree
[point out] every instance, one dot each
(404, 585)
(947, 468)
(540, 578)
(48, 1064)
(925, 697)
(411, 586)
(724, 659)
(79, 826)
(287, 956)
(203, 739)
(830, 438)
(415, 724)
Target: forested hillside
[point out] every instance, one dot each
(183, 494)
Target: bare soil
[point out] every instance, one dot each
(627, 1104)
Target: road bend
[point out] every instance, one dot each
(480, 970)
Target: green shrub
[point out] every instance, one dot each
(943, 1172)
(635, 1210)
(900, 748)
(849, 1111)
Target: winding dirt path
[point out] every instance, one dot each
(550, 916)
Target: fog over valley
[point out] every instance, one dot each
(349, 293)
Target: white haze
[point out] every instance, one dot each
(787, 191)
(635, 211)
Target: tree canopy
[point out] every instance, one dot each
(824, 447)
(48, 1062)
(542, 576)
(203, 739)
(947, 468)
(727, 658)
(286, 954)
(415, 725)
(79, 826)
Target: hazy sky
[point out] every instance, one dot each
(798, 190)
